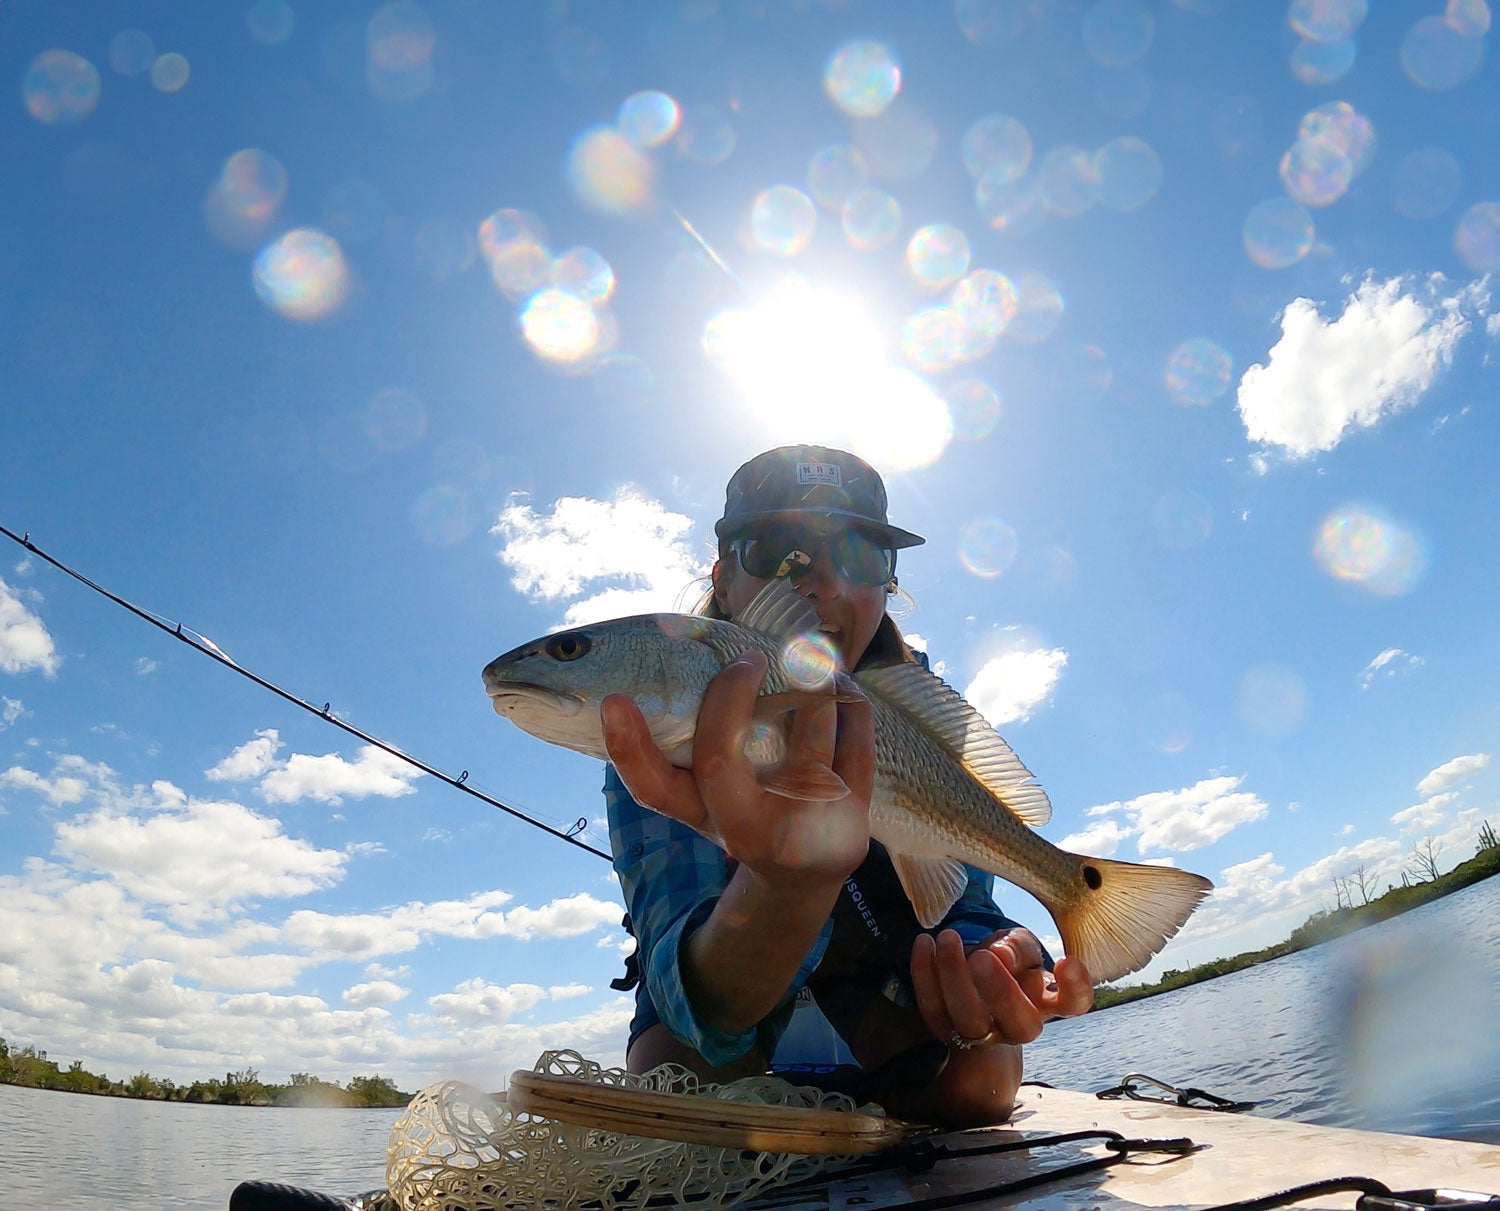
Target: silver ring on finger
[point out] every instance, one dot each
(962, 1042)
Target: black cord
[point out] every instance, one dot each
(201, 643)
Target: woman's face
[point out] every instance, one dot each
(851, 612)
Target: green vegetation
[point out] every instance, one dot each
(1345, 917)
(30, 1067)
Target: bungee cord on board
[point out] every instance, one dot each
(202, 643)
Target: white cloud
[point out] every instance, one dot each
(198, 859)
(566, 992)
(1011, 685)
(1387, 663)
(329, 778)
(631, 555)
(250, 760)
(401, 929)
(376, 992)
(67, 784)
(1426, 815)
(10, 710)
(1324, 378)
(144, 665)
(1182, 820)
(1452, 772)
(476, 1001)
(24, 642)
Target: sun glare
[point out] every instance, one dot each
(811, 363)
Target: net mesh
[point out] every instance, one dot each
(458, 1149)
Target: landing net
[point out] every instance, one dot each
(456, 1148)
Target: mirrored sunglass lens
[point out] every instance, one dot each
(856, 556)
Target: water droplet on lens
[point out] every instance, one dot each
(131, 52)
(60, 87)
(836, 174)
(862, 77)
(1278, 232)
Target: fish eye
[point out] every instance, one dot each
(566, 646)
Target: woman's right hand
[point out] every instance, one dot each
(723, 796)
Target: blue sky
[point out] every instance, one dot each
(1186, 371)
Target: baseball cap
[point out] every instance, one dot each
(809, 481)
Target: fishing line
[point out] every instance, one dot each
(202, 643)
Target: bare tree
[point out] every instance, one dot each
(1487, 837)
(1363, 882)
(1341, 893)
(1423, 860)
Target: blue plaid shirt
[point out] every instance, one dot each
(672, 877)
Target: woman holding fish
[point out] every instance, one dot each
(747, 882)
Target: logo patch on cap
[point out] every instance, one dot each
(820, 473)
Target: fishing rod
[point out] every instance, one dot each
(203, 644)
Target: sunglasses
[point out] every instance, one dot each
(789, 551)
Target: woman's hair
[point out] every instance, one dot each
(887, 647)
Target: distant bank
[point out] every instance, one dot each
(31, 1067)
(1324, 926)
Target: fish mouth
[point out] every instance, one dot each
(508, 697)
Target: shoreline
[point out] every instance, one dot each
(1321, 927)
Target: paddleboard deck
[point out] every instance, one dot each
(1241, 1156)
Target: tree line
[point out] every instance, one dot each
(1420, 883)
(26, 1065)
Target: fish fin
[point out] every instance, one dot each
(1126, 914)
(809, 780)
(779, 611)
(932, 885)
(944, 714)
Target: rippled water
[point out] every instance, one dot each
(1392, 1028)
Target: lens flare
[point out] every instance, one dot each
(1335, 143)
(648, 119)
(444, 515)
(986, 302)
(1278, 233)
(974, 406)
(60, 87)
(862, 78)
(1183, 519)
(1322, 62)
(585, 273)
(1476, 239)
(706, 135)
(608, 174)
(934, 338)
(1438, 55)
(394, 420)
(810, 661)
(782, 220)
(243, 201)
(1117, 32)
(1039, 308)
(1069, 181)
(271, 22)
(1471, 18)
(1271, 701)
(1128, 171)
(170, 72)
(871, 219)
(513, 244)
(1327, 20)
(998, 147)
(1012, 208)
(900, 421)
(937, 255)
(1198, 371)
(131, 52)
(561, 327)
(399, 42)
(1426, 183)
(1366, 547)
(836, 174)
(302, 275)
(990, 23)
(987, 547)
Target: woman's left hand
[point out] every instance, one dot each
(996, 992)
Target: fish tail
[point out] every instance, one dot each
(1125, 914)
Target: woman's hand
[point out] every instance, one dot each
(722, 796)
(998, 992)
